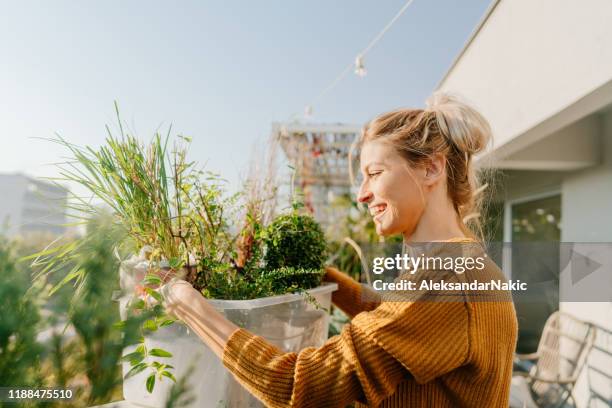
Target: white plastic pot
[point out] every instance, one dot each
(290, 322)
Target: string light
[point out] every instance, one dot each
(360, 70)
(308, 111)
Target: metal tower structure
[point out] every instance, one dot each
(320, 155)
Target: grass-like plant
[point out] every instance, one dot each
(161, 201)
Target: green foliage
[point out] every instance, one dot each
(267, 283)
(158, 197)
(294, 240)
(162, 202)
(151, 317)
(19, 323)
(294, 248)
(250, 243)
(181, 218)
(130, 179)
(224, 286)
(290, 279)
(87, 360)
(94, 313)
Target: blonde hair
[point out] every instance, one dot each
(447, 126)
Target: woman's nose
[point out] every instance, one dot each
(363, 196)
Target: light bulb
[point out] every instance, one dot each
(359, 67)
(308, 111)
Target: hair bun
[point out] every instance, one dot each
(463, 125)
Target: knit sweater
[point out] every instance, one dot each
(392, 354)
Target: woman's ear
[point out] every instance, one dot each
(435, 169)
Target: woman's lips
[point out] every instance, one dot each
(378, 210)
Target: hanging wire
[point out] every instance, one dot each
(387, 27)
(358, 64)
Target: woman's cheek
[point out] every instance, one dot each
(386, 224)
(396, 219)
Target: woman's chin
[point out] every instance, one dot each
(386, 229)
(383, 230)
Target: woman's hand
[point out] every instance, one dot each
(165, 275)
(176, 292)
(187, 304)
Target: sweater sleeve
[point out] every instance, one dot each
(351, 297)
(366, 362)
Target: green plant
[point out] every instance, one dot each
(101, 343)
(19, 323)
(295, 240)
(283, 257)
(89, 360)
(152, 319)
(36, 352)
(156, 195)
(181, 215)
(289, 279)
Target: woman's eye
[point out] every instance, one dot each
(374, 174)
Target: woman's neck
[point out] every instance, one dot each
(439, 222)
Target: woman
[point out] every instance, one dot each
(418, 181)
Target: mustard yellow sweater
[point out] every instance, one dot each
(392, 354)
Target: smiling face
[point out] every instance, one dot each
(393, 191)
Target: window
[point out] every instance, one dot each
(535, 232)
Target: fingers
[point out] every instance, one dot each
(175, 291)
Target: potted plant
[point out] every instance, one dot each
(263, 273)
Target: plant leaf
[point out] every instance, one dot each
(139, 304)
(134, 358)
(135, 370)
(169, 375)
(159, 353)
(119, 325)
(152, 279)
(175, 263)
(151, 383)
(149, 325)
(156, 295)
(167, 322)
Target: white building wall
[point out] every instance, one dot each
(531, 59)
(587, 196)
(586, 208)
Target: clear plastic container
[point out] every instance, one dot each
(290, 322)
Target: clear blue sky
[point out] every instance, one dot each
(220, 72)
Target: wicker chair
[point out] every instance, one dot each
(561, 355)
(599, 370)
